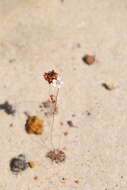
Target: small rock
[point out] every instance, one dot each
(109, 86)
(34, 125)
(70, 123)
(89, 59)
(7, 108)
(18, 164)
(66, 133)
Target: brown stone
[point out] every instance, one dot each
(89, 59)
(34, 125)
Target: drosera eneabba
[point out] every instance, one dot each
(55, 81)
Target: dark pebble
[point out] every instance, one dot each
(18, 164)
(7, 108)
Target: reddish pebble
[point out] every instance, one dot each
(89, 59)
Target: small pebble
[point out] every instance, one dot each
(70, 123)
(34, 125)
(66, 133)
(108, 86)
(89, 59)
(8, 108)
(18, 164)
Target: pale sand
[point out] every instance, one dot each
(40, 35)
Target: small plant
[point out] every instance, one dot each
(54, 81)
(56, 155)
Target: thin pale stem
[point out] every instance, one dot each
(53, 117)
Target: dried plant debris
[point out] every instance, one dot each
(89, 59)
(53, 98)
(48, 108)
(18, 164)
(56, 155)
(26, 114)
(46, 104)
(109, 86)
(34, 125)
(8, 108)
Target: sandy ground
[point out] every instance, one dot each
(40, 35)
